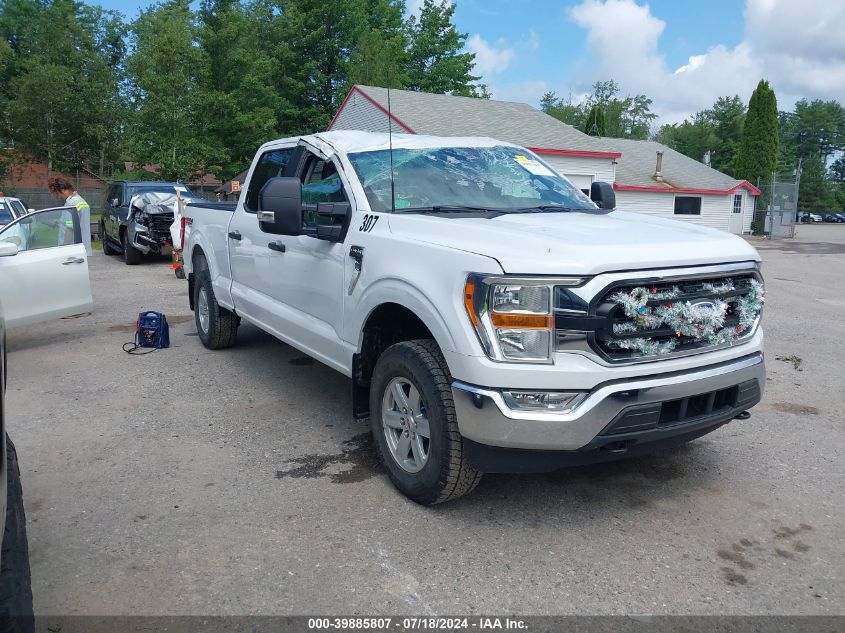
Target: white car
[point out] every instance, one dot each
(10, 209)
(43, 267)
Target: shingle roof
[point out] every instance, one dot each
(637, 164)
(448, 115)
(521, 124)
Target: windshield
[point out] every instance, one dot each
(140, 189)
(500, 178)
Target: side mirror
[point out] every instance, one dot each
(7, 249)
(30, 210)
(113, 202)
(280, 206)
(603, 195)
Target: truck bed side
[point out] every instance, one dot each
(208, 234)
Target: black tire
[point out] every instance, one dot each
(222, 329)
(107, 247)
(16, 613)
(447, 474)
(131, 255)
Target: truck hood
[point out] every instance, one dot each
(575, 243)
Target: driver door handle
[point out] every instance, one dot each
(235, 235)
(276, 246)
(73, 260)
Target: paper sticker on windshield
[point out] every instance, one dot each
(533, 166)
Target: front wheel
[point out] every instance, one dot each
(414, 424)
(131, 255)
(216, 326)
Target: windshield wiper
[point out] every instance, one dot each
(545, 208)
(450, 208)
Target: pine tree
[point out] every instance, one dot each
(815, 194)
(758, 150)
(435, 61)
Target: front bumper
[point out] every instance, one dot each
(146, 241)
(617, 414)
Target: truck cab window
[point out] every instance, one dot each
(270, 165)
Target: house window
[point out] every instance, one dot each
(687, 205)
(738, 203)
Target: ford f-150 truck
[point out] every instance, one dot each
(491, 317)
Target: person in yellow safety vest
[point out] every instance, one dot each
(63, 188)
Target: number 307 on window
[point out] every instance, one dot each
(369, 223)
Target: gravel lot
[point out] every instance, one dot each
(234, 482)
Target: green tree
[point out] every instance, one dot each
(564, 110)
(815, 193)
(693, 138)
(757, 157)
(630, 117)
(169, 72)
(379, 57)
(728, 118)
(436, 62)
(594, 125)
(77, 50)
(819, 128)
(241, 104)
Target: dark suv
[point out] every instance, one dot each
(131, 234)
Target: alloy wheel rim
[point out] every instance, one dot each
(202, 309)
(404, 421)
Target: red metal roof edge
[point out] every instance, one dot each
(390, 115)
(575, 152)
(715, 192)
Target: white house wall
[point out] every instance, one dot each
(715, 210)
(598, 168)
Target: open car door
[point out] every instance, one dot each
(43, 267)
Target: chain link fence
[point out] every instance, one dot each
(777, 209)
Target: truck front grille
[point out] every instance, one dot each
(635, 320)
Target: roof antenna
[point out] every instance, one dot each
(390, 144)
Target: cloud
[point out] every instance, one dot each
(796, 46)
(489, 60)
(533, 40)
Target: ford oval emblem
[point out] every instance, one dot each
(704, 303)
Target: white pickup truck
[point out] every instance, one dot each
(491, 317)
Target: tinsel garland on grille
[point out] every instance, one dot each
(701, 321)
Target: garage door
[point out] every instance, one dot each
(581, 181)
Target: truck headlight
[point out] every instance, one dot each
(513, 317)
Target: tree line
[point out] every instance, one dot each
(749, 142)
(197, 90)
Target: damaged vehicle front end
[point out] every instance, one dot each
(149, 220)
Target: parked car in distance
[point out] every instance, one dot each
(135, 234)
(836, 218)
(43, 267)
(840, 217)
